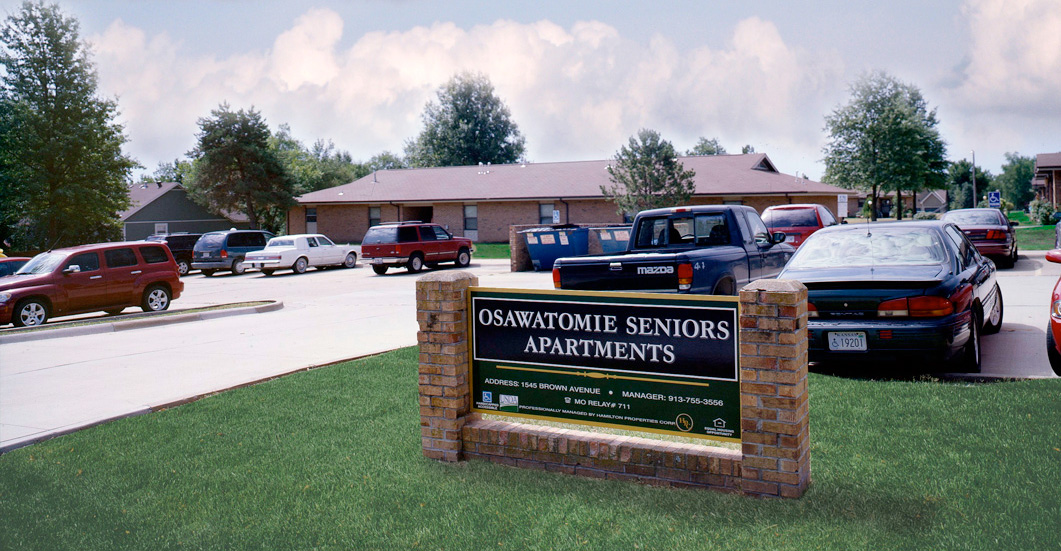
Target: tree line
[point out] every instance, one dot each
(64, 178)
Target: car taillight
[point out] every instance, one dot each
(996, 235)
(556, 277)
(685, 277)
(812, 310)
(1055, 309)
(224, 253)
(915, 307)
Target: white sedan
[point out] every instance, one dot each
(299, 252)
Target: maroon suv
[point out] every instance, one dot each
(90, 278)
(413, 244)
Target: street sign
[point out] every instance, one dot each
(994, 199)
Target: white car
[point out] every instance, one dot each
(299, 252)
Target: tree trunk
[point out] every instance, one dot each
(899, 202)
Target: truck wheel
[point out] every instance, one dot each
(463, 258)
(156, 299)
(724, 287)
(416, 263)
(380, 270)
(30, 313)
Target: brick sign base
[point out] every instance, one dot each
(774, 459)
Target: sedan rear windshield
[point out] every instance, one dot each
(790, 218)
(277, 242)
(871, 247)
(974, 218)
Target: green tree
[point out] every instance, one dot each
(385, 161)
(885, 139)
(647, 174)
(319, 167)
(177, 171)
(62, 171)
(707, 147)
(1015, 182)
(468, 125)
(747, 149)
(237, 170)
(960, 184)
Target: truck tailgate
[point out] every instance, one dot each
(634, 272)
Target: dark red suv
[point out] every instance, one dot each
(413, 244)
(104, 277)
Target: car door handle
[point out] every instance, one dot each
(96, 277)
(137, 272)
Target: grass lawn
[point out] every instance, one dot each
(492, 250)
(1035, 238)
(330, 459)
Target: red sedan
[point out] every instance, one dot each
(990, 231)
(1053, 331)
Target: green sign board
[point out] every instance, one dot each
(658, 363)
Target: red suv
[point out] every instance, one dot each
(797, 221)
(413, 244)
(104, 277)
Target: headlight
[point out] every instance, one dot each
(1055, 308)
(4, 297)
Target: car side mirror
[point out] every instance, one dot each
(72, 269)
(778, 237)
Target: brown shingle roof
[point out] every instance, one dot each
(751, 174)
(1050, 161)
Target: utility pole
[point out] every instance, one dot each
(974, 178)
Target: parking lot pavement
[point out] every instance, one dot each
(54, 386)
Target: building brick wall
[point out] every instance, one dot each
(774, 459)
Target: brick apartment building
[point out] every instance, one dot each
(481, 202)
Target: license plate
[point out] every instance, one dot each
(790, 238)
(854, 341)
(377, 261)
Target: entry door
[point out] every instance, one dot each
(87, 288)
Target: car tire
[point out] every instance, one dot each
(416, 263)
(114, 311)
(724, 287)
(183, 267)
(993, 322)
(268, 271)
(156, 299)
(300, 265)
(237, 266)
(1013, 257)
(350, 261)
(1051, 351)
(30, 312)
(969, 359)
(463, 258)
(207, 273)
(380, 270)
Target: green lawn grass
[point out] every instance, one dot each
(1035, 238)
(330, 459)
(492, 250)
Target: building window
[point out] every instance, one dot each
(545, 213)
(161, 227)
(471, 217)
(373, 216)
(311, 215)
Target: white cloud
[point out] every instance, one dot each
(1014, 58)
(577, 92)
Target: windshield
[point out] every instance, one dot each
(43, 263)
(870, 247)
(278, 242)
(790, 218)
(210, 240)
(974, 217)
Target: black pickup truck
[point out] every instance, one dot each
(709, 249)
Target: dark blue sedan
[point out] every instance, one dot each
(901, 292)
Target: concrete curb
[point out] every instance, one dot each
(150, 321)
(49, 434)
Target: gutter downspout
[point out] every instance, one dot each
(567, 210)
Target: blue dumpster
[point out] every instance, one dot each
(613, 239)
(545, 245)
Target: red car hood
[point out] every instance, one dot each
(19, 281)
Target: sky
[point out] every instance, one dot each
(579, 77)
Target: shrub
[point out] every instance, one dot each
(925, 215)
(1041, 212)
